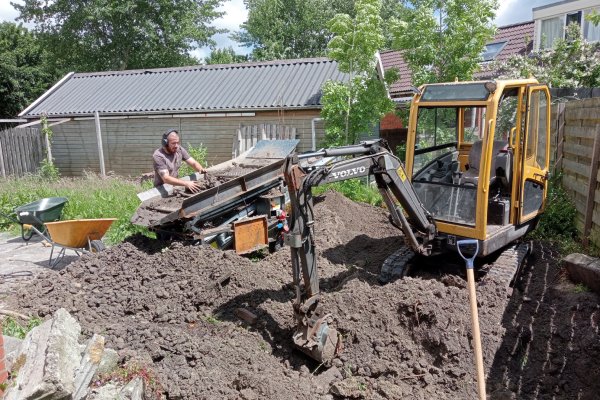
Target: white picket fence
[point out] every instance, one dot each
(21, 151)
(247, 136)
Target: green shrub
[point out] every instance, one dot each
(401, 152)
(557, 224)
(48, 171)
(558, 220)
(355, 190)
(198, 154)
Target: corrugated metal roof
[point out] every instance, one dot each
(203, 88)
(518, 38)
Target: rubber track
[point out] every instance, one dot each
(396, 265)
(506, 267)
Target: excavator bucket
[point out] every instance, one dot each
(321, 343)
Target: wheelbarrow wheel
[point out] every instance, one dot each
(26, 233)
(96, 246)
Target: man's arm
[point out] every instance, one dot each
(172, 180)
(195, 164)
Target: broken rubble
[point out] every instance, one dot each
(50, 363)
(51, 356)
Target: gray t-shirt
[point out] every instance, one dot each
(170, 162)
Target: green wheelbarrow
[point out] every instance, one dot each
(36, 214)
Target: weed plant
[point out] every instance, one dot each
(198, 154)
(12, 327)
(557, 224)
(88, 197)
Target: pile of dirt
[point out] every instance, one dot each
(175, 308)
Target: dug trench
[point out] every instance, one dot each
(176, 308)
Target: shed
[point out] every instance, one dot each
(205, 103)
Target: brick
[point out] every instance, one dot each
(3, 371)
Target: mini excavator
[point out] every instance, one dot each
(476, 167)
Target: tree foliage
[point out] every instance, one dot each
(24, 70)
(282, 29)
(353, 108)
(572, 62)
(225, 56)
(442, 40)
(97, 35)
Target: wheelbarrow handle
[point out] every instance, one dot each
(466, 242)
(10, 217)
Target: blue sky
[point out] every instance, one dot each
(510, 12)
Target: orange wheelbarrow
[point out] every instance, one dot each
(80, 235)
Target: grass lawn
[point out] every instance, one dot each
(89, 197)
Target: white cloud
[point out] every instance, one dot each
(7, 11)
(235, 15)
(514, 11)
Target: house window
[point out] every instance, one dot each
(491, 50)
(591, 33)
(552, 29)
(573, 18)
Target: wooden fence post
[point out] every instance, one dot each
(560, 137)
(592, 183)
(2, 160)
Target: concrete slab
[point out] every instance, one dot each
(21, 261)
(584, 269)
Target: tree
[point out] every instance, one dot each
(352, 108)
(225, 56)
(391, 10)
(442, 40)
(572, 62)
(97, 35)
(281, 29)
(24, 70)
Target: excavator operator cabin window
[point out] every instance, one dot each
(436, 134)
(473, 123)
(534, 124)
(541, 136)
(506, 119)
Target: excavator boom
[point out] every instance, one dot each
(314, 334)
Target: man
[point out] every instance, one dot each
(167, 161)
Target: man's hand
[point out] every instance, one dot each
(192, 186)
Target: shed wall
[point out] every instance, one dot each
(129, 142)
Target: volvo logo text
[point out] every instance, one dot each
(348, 172)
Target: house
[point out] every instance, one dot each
(206, 103)
(551, 20)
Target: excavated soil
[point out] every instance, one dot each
(175, 308)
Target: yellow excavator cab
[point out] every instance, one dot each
(478, 154)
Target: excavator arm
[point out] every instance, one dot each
(314, 334)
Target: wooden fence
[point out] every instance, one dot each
(247, 136)
(21, 151)
(576, 129)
